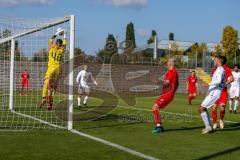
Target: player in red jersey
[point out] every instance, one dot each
(25, 83)
(170, 85)
(222, 101)
(192, 85)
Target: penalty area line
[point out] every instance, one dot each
(105, 142)
(181, 114)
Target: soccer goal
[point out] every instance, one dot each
(24, 52)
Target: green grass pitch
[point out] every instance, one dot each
(127, 126)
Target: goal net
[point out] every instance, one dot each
(24, 50)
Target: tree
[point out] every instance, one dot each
(5, 47)
(198, 49)
(218, 49)
(152, 38)
(192, 50)
(171, 37)
(78, 52)
(229, 42)
(111, 45)
(179, 58)
(174, 47)
(109, 50)
(103, 55)
(163, 60)
(130, 42)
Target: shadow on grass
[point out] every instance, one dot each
(231, 127)
(112, 125)
(184, 129)
(112, 120)
(215, 155)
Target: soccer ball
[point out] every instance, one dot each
(60, 31)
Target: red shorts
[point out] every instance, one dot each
(24, 82)
(164, 100)
(192, 90)
(223, 99)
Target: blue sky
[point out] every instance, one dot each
(189, 20)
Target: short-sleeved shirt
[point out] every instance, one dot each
(172, 77)
(24, 75)
(236, 82)
(192, 80)
(218, 77)
(169, 90)
(228, 73)
(82, 78)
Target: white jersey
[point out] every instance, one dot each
(218, 79)
(235, 85)
(215, 88)
(82, 78)
(236, 82)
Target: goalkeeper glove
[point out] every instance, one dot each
(59, 31)
(95, 83)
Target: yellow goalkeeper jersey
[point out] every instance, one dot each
(55, 54)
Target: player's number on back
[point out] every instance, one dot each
(57, 57)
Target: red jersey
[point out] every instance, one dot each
(168, 90)
(192, 80)
(228, 74)
(172, 77)
(24, 76)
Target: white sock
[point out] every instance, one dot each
(236, 105)
(206, 119)
(79, 101)
(230, 104)
(85, 100)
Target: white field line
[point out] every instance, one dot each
(138, 154)
(108, 143)
(181, 114)
(40, 120)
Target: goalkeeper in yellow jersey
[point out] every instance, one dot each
(55, 58)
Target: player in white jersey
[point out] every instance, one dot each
(235, 89)
(214, 92)
(83, 87)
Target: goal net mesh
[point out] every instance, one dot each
(31, 57)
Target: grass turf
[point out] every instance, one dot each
(125, 126)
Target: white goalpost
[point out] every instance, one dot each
(71, 56)
(24, 49)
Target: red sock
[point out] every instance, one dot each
(157, 117)
(192, 97)
(222, 114)
(214, 116)
(189, 99)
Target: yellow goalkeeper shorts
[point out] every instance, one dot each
(51, 79)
